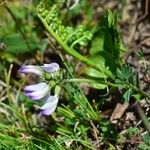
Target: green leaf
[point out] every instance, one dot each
(127, 95)
(107, 40)
(137, 96)
(107, 46)
(124, 73)
(103, 59)
(131, 131)
(146, 139)
(112, 19)
(97, 43)
(98, 86)
(16, 45)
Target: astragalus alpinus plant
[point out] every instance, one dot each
(104, 69)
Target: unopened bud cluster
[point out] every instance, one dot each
(72, 37)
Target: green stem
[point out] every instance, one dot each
(97, 81)
(73, 52)
(8, 76)
(138, 90)
(91, 81)
(92, 113)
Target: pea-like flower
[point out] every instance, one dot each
(31, 69)
(51, 103)
(37, 91)
(41, 91)
(51, 68)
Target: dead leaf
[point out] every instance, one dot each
(118, 111)
(146, 42)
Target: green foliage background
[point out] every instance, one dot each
(78, 123)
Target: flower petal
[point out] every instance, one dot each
(50, 101)
(50, 106)
(48, 112)
(35, 87)
(31, 69)
(38, 94)
(51, 68)
(52, 98)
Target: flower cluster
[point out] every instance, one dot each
(73, 37)
(42, 90)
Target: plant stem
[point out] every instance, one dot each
(93, 114)
(138, 90)
(8, 83)
(73, 52)
(91, 81)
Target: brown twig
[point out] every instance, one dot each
(145, 11)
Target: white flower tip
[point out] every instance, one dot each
(51, 68)
(50, 106)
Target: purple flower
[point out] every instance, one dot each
(51, 68)
(37, 91)
(41, 91)
(31, 69)
(50, 106)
